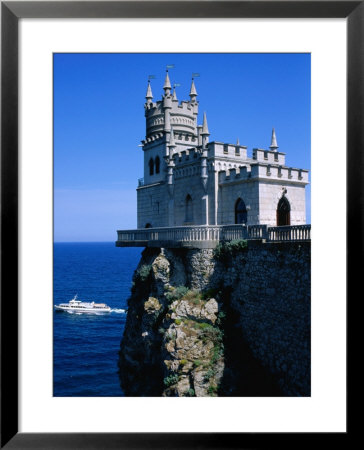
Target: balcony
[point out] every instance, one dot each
(208, 236)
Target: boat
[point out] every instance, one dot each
(76, 306)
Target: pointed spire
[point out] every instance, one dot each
(167, 82)
(273, 146)
(237, 142)
(205, 129)
(149, 94)
(193, 91)
(174, 93)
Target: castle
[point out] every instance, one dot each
(191, 181)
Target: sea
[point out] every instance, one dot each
(86, 346)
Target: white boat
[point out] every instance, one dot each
(76, 306)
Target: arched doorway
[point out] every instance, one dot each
(189, 209)
(241, 214)
(283, 212)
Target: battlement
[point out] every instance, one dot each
(219, 149)
(185, 156)
(269, 156)
(261, 171)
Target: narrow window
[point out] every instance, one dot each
(189, 209)
(157, 164)
(151, 166)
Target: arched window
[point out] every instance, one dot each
(157, 164)
(283, 212)
(241, 214)
(151, 166)
(148, 225)
(189, 209)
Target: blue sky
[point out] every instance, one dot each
(99, 123)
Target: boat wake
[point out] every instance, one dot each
(118, 310)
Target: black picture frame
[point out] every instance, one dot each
(11, 12)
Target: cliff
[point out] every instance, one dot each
(230, 321)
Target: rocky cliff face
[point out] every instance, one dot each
(172, 344)
(234, 321)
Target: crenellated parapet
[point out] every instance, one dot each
(270, 156)
(260, 171)
(224, 150)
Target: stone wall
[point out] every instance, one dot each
(267, 293)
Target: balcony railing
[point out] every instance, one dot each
(215, 233)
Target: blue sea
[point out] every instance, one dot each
(86, 346)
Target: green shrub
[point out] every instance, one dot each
(197, 363)
(170, 380)
(225, 250)
(192, 294)
(183, 362)
(190, 393)
(209, 374)
(176, 293)
(144, 272)
(203, 325)
(178, 321)
(212, 390)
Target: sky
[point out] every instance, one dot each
(98, 113)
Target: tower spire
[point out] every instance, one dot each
(149, 94)
(193, 92)
(174, 97)
(274, 146)
(167, 83)
(205, 129)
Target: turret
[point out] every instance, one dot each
(273, 146)
(193, 92)
(167, 104)
(174, 96)
(205, 131)
(149, 95)
(167, 85)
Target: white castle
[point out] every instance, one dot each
(191, 181)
